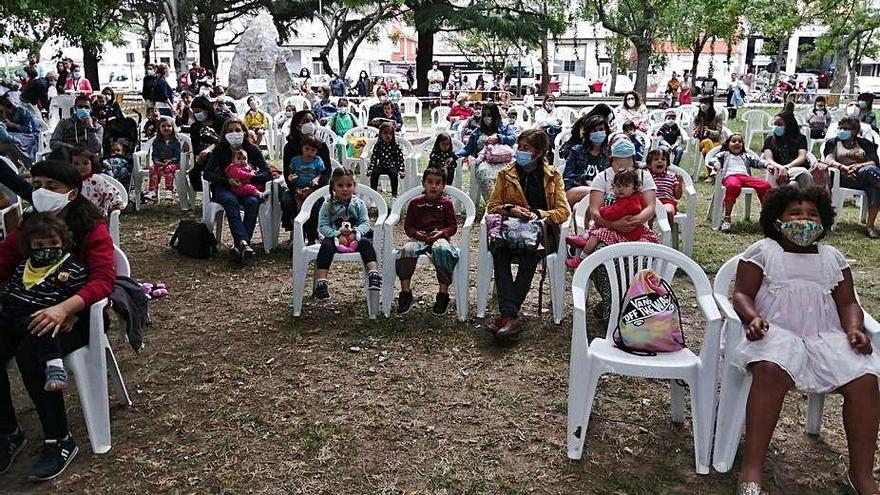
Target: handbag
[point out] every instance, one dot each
(497, 153)
(650, 318)
(193, 239)
(514, 234)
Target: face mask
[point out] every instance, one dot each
(597, 137)
(307, 129)
(83, 113)
(41, 257)
(852, 111)
(487, 120)
(253, 105)
(200, 116)
(76, 74)
(670, 122)
(820, 107)
(46, 201)
(863, 104)
(704, 107)
(549, 106)
(801, 232)
(288, 114)
(478, 114)
(343, 110)
(235, 138)
(778, 130)
(844, 134)
(623, 148)
(523, 158)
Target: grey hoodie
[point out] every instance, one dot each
(70, 133)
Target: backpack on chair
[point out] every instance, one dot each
(193, 239)
(650, 318)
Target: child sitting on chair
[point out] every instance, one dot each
(443, 157)
(668, 184)
(243, 172)
(49, 275)
(627, 201)
(118, 164)
(386, 158)
(305, 169)
(95, 187)
(734, 163)
(430, 223)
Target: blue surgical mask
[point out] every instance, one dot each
(200, 116)
(598, 137)
(670, 122)
(623, 148)
(523, 158)
(778, 130)
(83, 113)
(844, 134)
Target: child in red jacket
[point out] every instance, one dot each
(627, 201)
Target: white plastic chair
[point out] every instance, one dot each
(657, 117)
(561, 139)
(185, 192)
(60, 108)
(114, 215)
(684, 224)
(580, 219)
(839, 195)
(142, 161)
(303, 254)
(589, 361)
(328, 137)
(716, 209)
(460, 280)
(358, 163)
(411, 107)
(298, 102)
(568, 115)
(555, 262)
(735, 385)
(14, 200)
(687, 114)
(585, 110)
(438, 118)
(406, 147)
(755, 124)
(213, 214)
(422, 151)
(523, 115)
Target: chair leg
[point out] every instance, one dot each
(731, 417)
(815, 405)
(388, 286)
(299, 285)
(91, 383)
(702, 406)
(372, 298)
(116, 375)
(485, 268)
(581, 393)
(676, 392)
(747, 203)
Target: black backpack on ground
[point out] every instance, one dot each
(193, 239)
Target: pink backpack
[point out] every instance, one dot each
(650, 319)
(497, 153)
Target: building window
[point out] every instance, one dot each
(165, 60)
(317, 67)
(568, 66)
(129, 57)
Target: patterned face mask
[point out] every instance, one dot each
(41, 257)
(801, 232)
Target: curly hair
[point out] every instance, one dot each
(777, 201)
(42, 226)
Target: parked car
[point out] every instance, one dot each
(121, 82)
(554, 83)
(867, 84)
(573, 84)
(622, 85)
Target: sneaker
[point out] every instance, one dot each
(573, 262)
(10, 446)
(374, 281)
(404, 302)
(726, 226)
(321, 290)
(513, 327)
(56, 379)
(235, 253)
(498, 323)
(54, 459)
(441, 304)
(576, 241)
(247, 252)
(872, 234)
(150, 196)
(167, 195)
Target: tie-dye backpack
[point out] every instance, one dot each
(650, 319)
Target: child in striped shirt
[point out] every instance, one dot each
(668, 184)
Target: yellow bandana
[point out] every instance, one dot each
(34, 276)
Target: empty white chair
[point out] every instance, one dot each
(555, 266)
(113, 224)
(590, 360)
(735, 385)
(460, 282)
(684, 224)
(328, 137)
(438, 118)
(756, 124)
(213, 214)
(716, 209)
(60, 108)
(303, 254)
(839, 195)
(14, 200)
(411, 107)
(357, 163)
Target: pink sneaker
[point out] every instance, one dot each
(573, 262)
(576, 241)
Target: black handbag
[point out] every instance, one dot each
(193, 239)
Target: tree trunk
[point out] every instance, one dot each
(340, 55)
(841, 63)
(424, 53)
(90, 67)
(643, 54)
(207, 49)
(148, 45)
(696, 50)
(545, 66)
(779, 54)
(324, 54)
(177, 27)
(356, 42)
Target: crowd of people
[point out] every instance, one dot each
(607, 164)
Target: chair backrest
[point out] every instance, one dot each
(60, 107)
(334, 163)
(569, 115)
(361, 132)
(367, 195)
(688, 113)
(470, 210)
(755, 119)
(425, 147)
(327, 135)
(123, 193)
(711, 154)
(624, 260)
(523, 115)
(438, 117)
(410, 106)
(120, 262)
(659, 115)
(298, 102)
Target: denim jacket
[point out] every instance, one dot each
(334, 212)
(578, 170)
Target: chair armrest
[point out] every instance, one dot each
(871, 325)
(708, 305)
(726, 308)
(392, 219)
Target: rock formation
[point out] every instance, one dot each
(258, 56)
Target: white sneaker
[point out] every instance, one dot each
(167, 195)
(150, 196)
(726, 226)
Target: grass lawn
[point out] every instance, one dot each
(234, 395)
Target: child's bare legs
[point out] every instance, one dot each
(861, 405)
(770, 383)
(671, 210)
(590, 246)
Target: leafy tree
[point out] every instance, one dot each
(477, 46)
(145, 16)
(212, 16)
(700, 21)
(850, 36)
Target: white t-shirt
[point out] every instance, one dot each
(603, 183)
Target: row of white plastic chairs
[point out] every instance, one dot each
(718, 417)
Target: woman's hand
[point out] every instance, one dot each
(234, 182)
(51, 320)
(493, 139)
(521, 212)
(859, 341)
(757, 328)
(625, 225)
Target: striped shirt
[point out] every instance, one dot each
(61, 283)
(666, 184)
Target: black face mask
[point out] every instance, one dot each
(42, 257)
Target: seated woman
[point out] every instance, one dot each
(491, 131)
(231, 139)
(633, 109)
(708, 128)
(204, 134)
(786, 148)
(602, 194)
(56, 190)
(856, 159)
(460, 112)
(587, 159)
(530, 188)
(302, 123)
(21, 126)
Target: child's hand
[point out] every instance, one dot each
(402, 174)
(292, 178)
(757, 328)
(860, 342)
(234, 183)
(314, 182)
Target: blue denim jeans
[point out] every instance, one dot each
(242, 230)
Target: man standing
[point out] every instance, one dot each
(710, 85)
(435, 82)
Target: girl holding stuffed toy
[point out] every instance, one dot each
(344, 209)
(804, 328)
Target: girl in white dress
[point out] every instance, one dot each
(804, 328)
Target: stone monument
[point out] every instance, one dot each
(258, 56)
